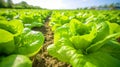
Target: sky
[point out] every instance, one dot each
(66, 4)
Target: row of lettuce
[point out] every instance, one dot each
(30, 17)
(17, 41)
(86, 38)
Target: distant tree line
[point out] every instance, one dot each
(21, 5)
(113, 6)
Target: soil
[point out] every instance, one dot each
(118, 39)
(43, 59)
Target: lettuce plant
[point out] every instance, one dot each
(30, 42)
(17, 44)
(9, 31)
(87, 44)
(19, 40)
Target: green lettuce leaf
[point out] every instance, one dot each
(7, 45)
(60, 32)
(78, 28)
(113, 48)
(16, 61)
(14, 26)
(83, 41)
(97, 59)
(114, 28)
(99, 44)
(34, 24)
(77, 58)
(30, 43)
(102, 31)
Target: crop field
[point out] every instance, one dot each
(59, 38)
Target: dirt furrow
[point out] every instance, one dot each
(43, 59)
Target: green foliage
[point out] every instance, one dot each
(14, 26)
(88, 40)
(26, 43)
(84, 50)
(20, 5)
(17, 43)
(16, 61)
(8, 31)
(2, 4)
(9, 4)
(6, 42)
(30, 18)
(30, 43)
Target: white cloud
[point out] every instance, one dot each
(83, 0)
(50, 4)
(16, 1)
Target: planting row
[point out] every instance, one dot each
(86, 38)
(17, 41)
(29, 17)
(58, 18)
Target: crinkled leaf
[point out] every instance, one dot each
(102, 31)
(114, 28)
(14, 26)
(63, 53)
(31, 43)
(34, 24)
(83, 41)
(113, 48)
(54, 27)
(99, 44)
(78, 28)
(61, 32)
(97, 59)
(27, 18)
